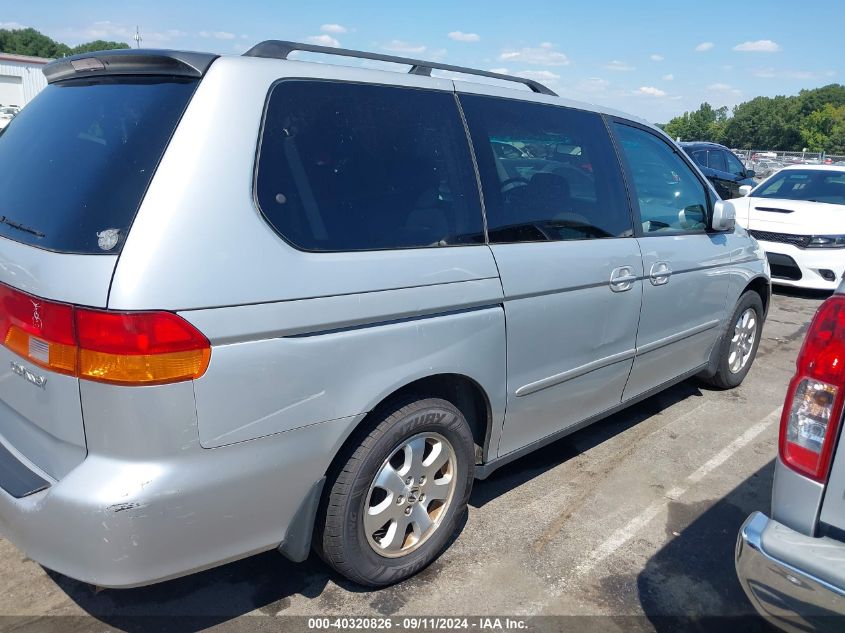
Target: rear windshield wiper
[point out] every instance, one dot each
(21, 227)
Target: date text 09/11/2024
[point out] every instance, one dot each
(418, 623)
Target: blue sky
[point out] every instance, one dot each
(652, 58)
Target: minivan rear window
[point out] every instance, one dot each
(76, 161)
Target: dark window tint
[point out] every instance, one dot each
(76, 161)
(717, 160)
(735, 167)
(362, 167)
(565, 184)
(805, 184)
(700, 157)
(670, 197)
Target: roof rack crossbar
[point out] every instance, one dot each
(280, 49)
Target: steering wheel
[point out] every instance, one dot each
(511, 181)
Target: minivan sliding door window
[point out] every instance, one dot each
(548, 173)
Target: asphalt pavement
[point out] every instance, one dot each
(625, 525)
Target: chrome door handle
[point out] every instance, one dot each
(622, 279)
(660, 274)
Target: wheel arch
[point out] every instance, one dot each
(763, 287)
(462, 391)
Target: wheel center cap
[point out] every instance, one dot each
(413, 495)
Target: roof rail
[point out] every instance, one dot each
(280, 49)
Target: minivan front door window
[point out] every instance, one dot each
(670, 197)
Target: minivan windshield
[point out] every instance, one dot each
(815, 185)
(76, 161)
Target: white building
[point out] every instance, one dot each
(20, 78)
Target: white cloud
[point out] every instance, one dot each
(704, 46)
(460, 36)
(758, 46)
(592, 85)
(12, 26)
(619, 66)
(539, 75)
(333, 28)
(771, 73)
(669, 77)
(323, 40)
(657, 58)
(544, 55)
(651, 91)
(106, 30)
(398, 46)
(219, 35)
(501, 71)
(724, 89)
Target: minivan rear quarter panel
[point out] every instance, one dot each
(289, 327)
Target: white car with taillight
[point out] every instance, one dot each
(798, 216)
(792, 565)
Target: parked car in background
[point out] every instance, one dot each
(798, 216)
(765, 167)
(792, 565)
(211, 352)
(721, 167)
(7, 113)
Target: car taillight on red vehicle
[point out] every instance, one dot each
(126, 348)
(813, 407)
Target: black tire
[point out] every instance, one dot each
(724, 378)
(340, 534)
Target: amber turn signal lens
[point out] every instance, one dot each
(157, 369)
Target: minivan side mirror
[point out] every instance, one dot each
(744, 190)
(724, 216)
(750, 173)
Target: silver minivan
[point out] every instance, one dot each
(252, 303)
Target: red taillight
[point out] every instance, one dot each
(38, 330)
(813, 407)
(127, 348)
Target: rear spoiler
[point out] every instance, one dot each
(129, 62)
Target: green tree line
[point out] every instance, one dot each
(813, 119)
(36, 44)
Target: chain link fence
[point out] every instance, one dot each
(767, 162)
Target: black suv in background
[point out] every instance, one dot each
(721, 166)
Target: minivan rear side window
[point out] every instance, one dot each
(76, 161)
(563, 182)
(350, 167)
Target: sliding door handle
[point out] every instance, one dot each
(622, 279)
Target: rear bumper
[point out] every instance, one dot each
(785, 592)
(125, 523)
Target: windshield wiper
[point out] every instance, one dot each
(21, 227)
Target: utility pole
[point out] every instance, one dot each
(137, 37)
